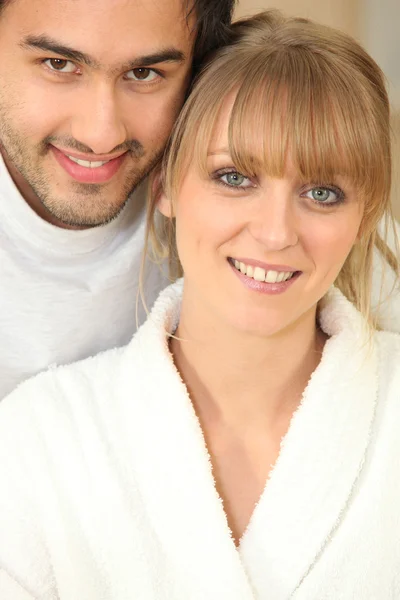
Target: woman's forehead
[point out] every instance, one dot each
(220, 133)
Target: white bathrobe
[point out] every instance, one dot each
(107, 491)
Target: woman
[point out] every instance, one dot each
(244, 444)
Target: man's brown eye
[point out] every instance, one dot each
(142, 73)
(62, 65)
(58, 63)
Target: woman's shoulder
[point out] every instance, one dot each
(54, 433)
(388, 349)
(61, 378)
(65, 396)
(42, 402)
(98, 383)
(388, 345)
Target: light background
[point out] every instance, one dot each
(375, 23)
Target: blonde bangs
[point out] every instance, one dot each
(290, 105)
(291, 110)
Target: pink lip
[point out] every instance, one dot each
(262, 286)
(86, 174)
(265, 266)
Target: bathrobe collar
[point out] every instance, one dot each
(308, 490)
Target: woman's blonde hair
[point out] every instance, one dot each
(301, 88)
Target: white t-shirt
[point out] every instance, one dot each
(64, 294)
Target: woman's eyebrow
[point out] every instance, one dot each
(218, 151)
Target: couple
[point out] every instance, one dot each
(244, 443)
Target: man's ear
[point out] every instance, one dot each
(163, 204)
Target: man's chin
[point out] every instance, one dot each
(83, 217)
(74, 205)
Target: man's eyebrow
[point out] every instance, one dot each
(169, 55)
(44, 42)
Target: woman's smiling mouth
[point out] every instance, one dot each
(270, 279)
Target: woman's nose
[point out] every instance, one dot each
(274, 223)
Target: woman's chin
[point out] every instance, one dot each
(263, 325)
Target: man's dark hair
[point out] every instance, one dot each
(4, 3)
(213, 18)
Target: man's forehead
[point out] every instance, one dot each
(161, 20)
(166, 6)
(107, 34)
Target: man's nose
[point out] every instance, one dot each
(98, 122)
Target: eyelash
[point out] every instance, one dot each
(217, 175)
(55, 71)
(156, 71)
(341, 197)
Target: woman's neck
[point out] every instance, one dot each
(237, 380)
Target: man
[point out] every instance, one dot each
(89, 91)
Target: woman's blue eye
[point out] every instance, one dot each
(325, 195)
(235, 179)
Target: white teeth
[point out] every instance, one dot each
(272, 277)
(281, 277)
(88, 164)
(259, 274)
